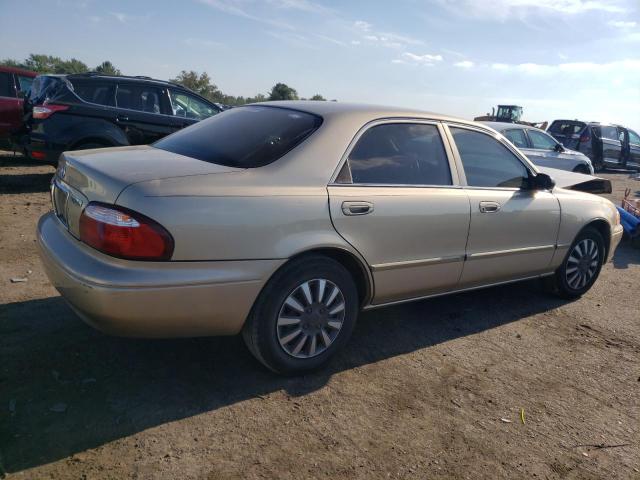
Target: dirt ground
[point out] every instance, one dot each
(432, 389)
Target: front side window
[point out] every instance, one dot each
(401, 154)
(243, 137)
(517, 137)
(541, 141)
(139, 97)
(25, 83)
(487, 162)
(634, 138)
(187, 106)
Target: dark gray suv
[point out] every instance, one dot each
(605, 144)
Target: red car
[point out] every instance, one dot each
(14, 84)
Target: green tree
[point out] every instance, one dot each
(199, 83)
(282, 91)
(108, 68)
(318, 97)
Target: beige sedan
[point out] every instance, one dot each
(283, 220)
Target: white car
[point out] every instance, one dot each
(542, 149)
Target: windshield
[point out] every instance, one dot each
(243, 137)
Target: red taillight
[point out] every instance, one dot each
(585, 137)
(42, 112)
(122, 233)
(36, 155)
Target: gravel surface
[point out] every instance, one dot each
(432, 389)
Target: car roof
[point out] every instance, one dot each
(329, 109)
(19, 71)
(502, 126)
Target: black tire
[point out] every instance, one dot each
(262, 332)
(565, 284)
(598, 165)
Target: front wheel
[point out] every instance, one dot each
(582, 264)
(304, 315)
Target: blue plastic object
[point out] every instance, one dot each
(630, 223)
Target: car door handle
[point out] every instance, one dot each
(489, 207)
(122, 118)
(357, 208)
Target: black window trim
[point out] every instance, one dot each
(500, 138)
(453, 169)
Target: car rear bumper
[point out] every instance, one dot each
(150, 299)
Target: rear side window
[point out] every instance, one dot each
(566, 127)
(6, 85)
(610, 133)
(487, 162)
(634, 138)
(101, 93)
(517, 137)
(400, 154)
(243, 137)
(139, 97)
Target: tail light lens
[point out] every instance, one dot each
(122, 233)
(42, 112)
(585, 137)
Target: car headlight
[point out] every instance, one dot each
(617, 217)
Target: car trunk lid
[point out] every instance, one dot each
(100, 175)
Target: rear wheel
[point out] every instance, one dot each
(304, 315)
(581, 265)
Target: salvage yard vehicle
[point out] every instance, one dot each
(283, 220)
(14, 83)
(542, 149)
(90, 110)
(605, 144)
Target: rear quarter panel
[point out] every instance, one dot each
(240, 223)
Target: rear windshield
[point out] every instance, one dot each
(44, 87)
(243, 137)
(566, 127)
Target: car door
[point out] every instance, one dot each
(634, 148)
(10, 105)
(398, 202)
(513, 228)
(142, 112)
(188, 109)
(549, 151)
(611, 145)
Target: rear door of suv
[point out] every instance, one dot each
(611, 145)
(10, 105)
(142, 111)
(634, 148)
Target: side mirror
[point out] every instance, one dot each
(542, 181)
(559, 148)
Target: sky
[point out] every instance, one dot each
(556, 58)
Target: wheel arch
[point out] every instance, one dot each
(604, 229)
(354, 264)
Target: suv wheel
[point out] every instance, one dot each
(581, 265)
(304, 315)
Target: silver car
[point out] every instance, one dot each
(283, 220)
(542, 149)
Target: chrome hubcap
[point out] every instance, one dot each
(310, 318)
(582, 263)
